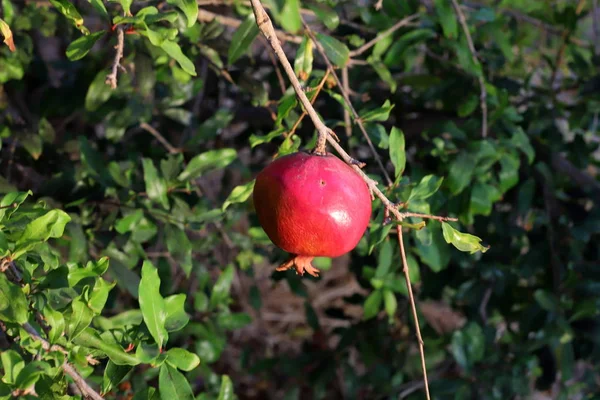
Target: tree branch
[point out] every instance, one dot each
(83, 386)
(414, 310)
(383, 35)
(111, 79)
(148, 128)
(482, 90)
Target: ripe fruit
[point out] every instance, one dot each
(311, 206)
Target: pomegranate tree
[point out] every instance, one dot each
(311, 205)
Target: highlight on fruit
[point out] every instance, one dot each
(311, 205)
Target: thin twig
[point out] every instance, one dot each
(150, 129)
(383, 35)
(276, 67)
(111, 79)
(346, 87)
(83, 386)
(348, 103)
(484, 303)
(414, 311)
(483, 92)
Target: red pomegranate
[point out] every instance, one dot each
(311, 206)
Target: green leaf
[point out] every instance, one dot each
(173, 385)
(173, 50)
(303, 64)
(156, 187)
(220, 291)
(14, 199)
(126, 4)
(179, 247)
(80, 47)
(462, 241)
(176, 318)
(152, 303)
(207, 161)
(372, 304)
(326, 14)
(468, 345)
(100, 8)
(182, 359)
(50, 225)
(80, 317)
(98, 92)
(239, 194)
(66, 8)
(92, 269)
(390, 303)
(547, 300)
(509, 171)
(384, 259)
(113, 375)
(436, 253)
(226, 391)
(461, 172)
(242, 39)
(56, 322)
(14, 306)
(189, 8)
(521, 141)
(89, 338)
(426, 188)
(483, 196)
(337, 52)
(397, 151)
(445, 12)
(290, 16)
(233, 321)
(99, 295)
(379, 114)
(12, 364)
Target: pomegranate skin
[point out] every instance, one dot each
(312, 205)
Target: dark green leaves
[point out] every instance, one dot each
(189, 8)
(152, 303)
(156, 187)
(373, 304)
(462, 241)
(50, 225)
(13, 303)
(468, 345)
(397, 151)
(212, 159)
(173, 385)
(66, 8)
(461, 172)
(337, 52)
(242, 39)
(239, 194)
(80, 47)
(426, 188)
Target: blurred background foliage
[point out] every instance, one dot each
(158, 171)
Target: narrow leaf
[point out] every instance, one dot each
(173, 385)
(462, 241)
(242, 39)
(337, 52)
(80, 47)
(152, 303)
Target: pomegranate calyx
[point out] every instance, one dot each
(301, 264)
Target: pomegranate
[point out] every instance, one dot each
(311, 205)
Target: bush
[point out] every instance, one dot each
(133, 265)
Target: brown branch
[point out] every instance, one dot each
(83, 386)
(348, 103)
(383, 35)
(346, 87)
(482, 91)
(150, 129)
(111, 79)
(414, 310)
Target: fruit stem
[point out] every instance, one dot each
(320, 148)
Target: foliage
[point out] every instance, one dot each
(130, 246)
